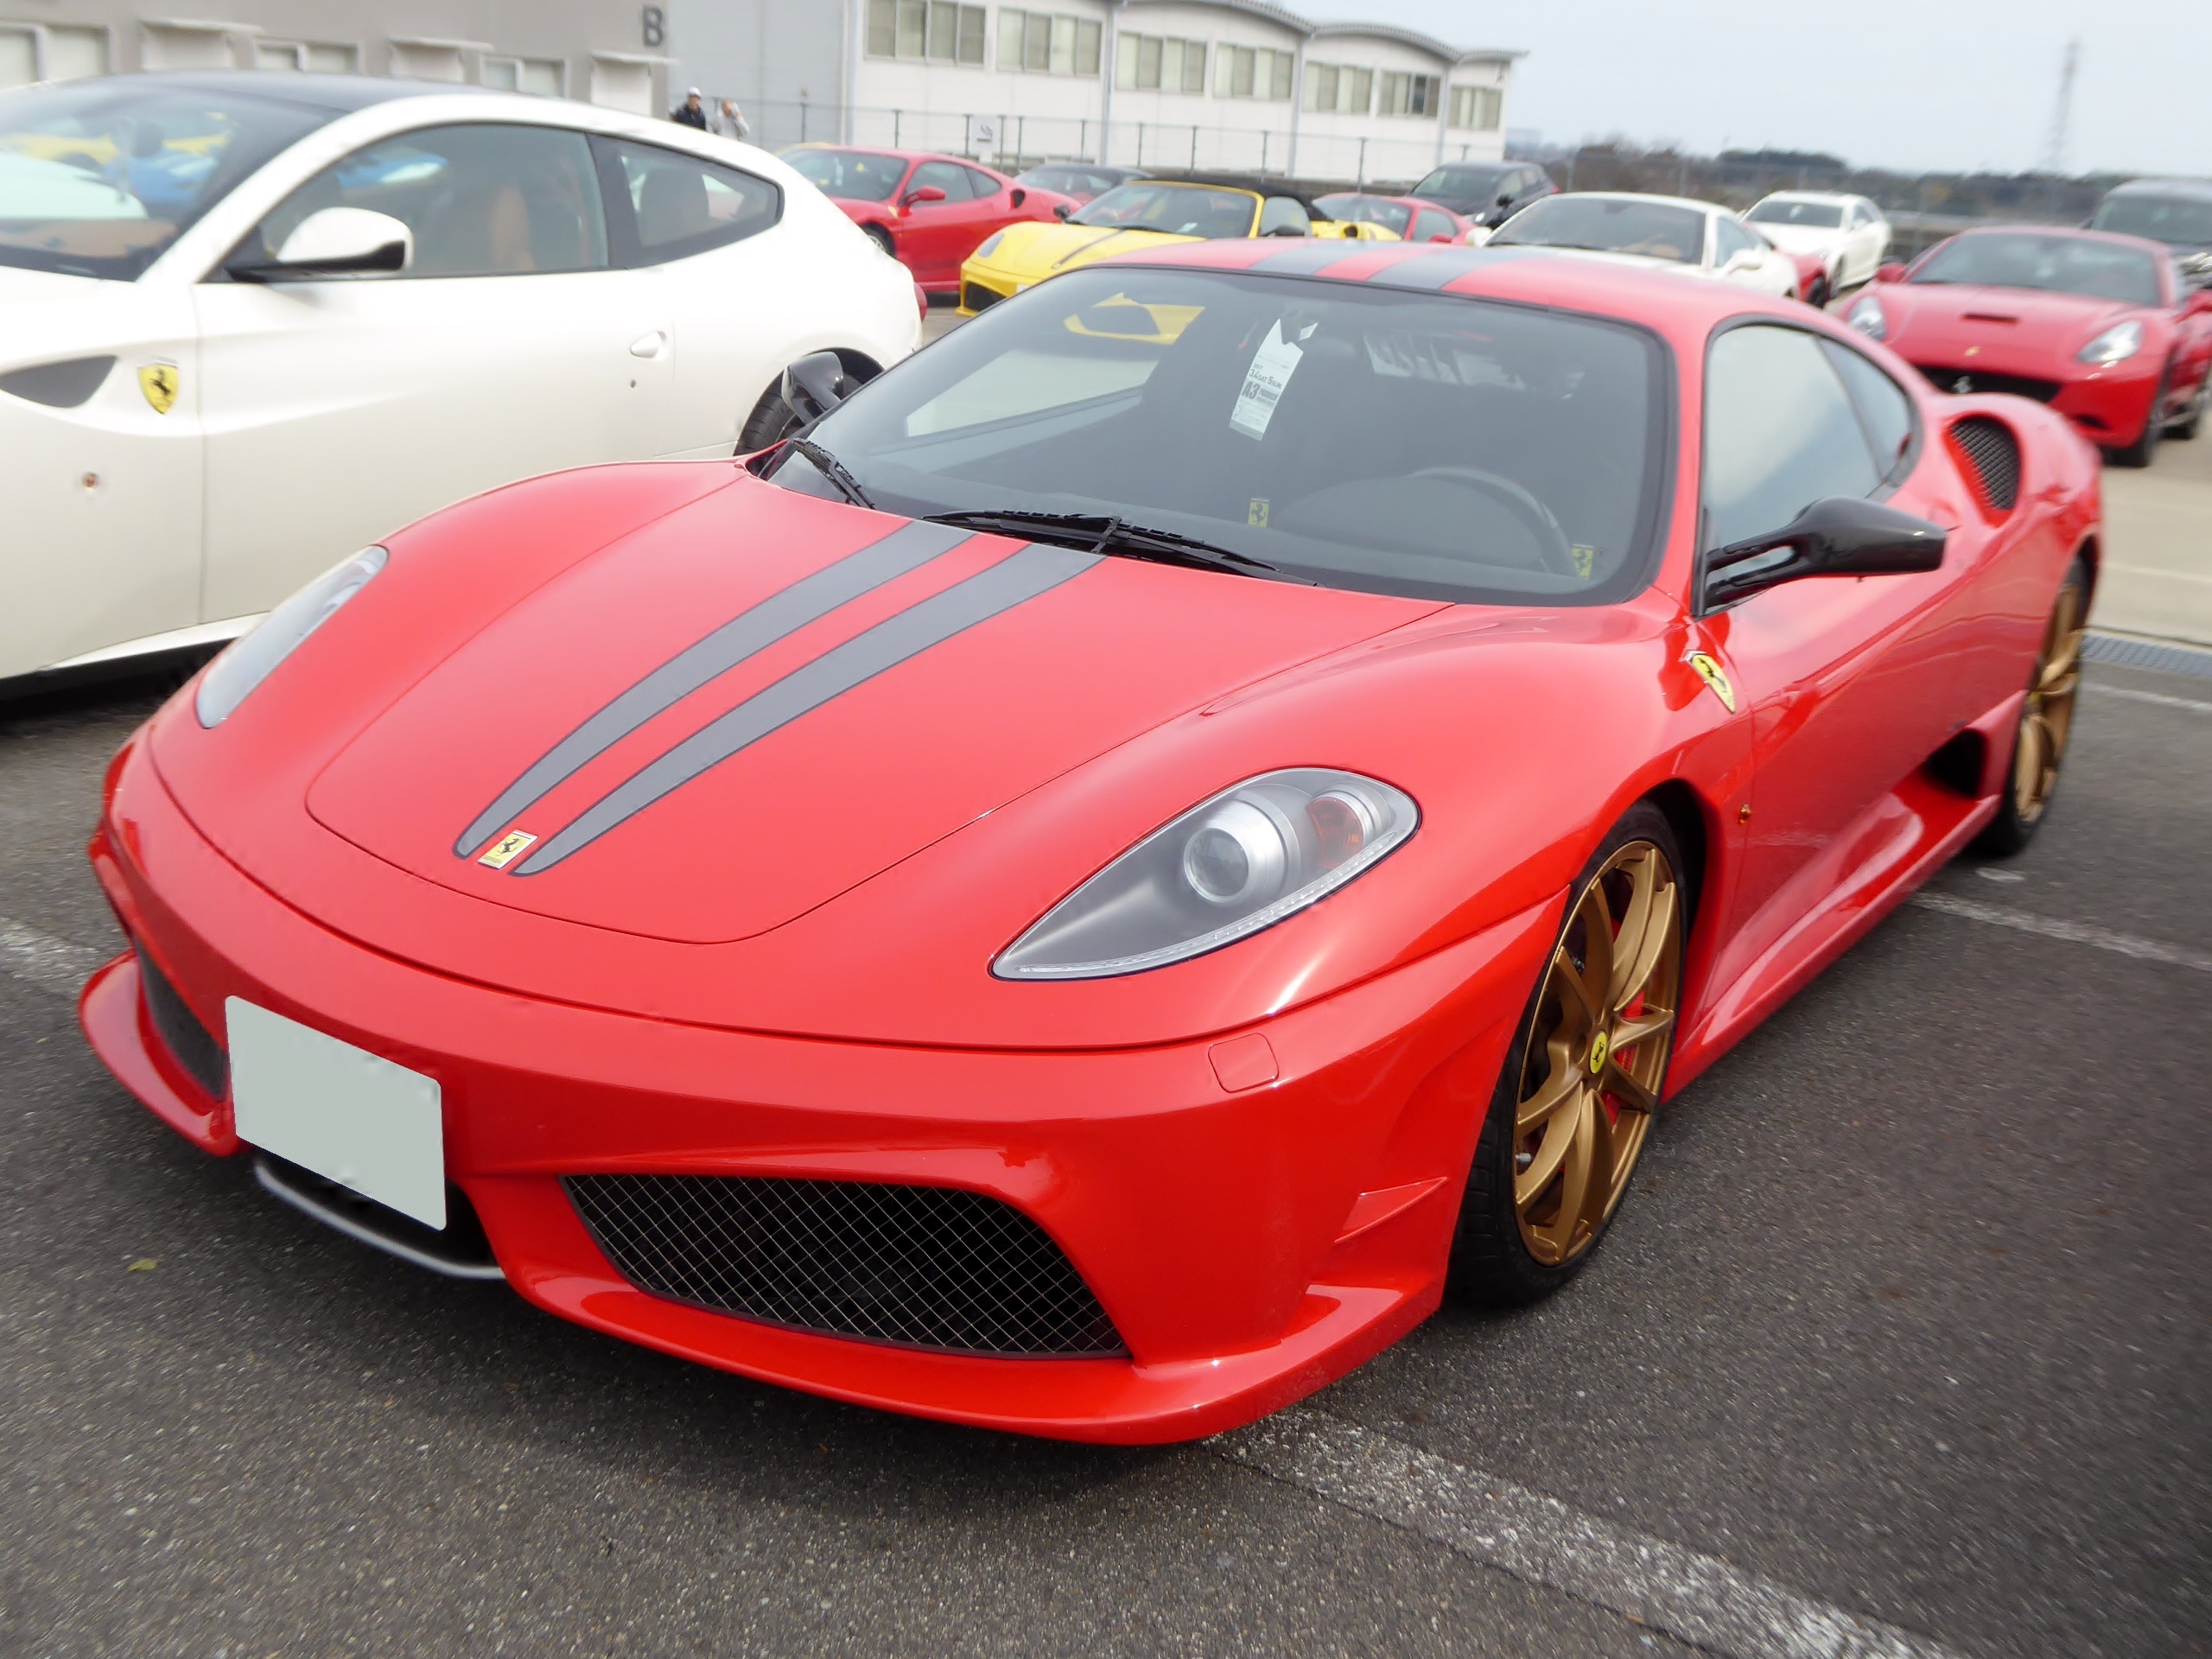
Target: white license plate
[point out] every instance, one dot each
(350, 1117)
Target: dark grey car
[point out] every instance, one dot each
(2177, 211)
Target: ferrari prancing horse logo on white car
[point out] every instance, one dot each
(159, 382)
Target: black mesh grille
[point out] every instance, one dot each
(1994, 454)
(192, 1043)
(976, 297)
(924, 1267)
(1964, 380)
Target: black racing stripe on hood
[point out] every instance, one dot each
(1010, 582)
(774, 618)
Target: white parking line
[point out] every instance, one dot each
(41, 959)
(2127, 945)
(1694, 1598)
(2158, 697)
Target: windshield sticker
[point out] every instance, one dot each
(1273, 365)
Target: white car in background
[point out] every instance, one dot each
(248, 323)
(1699, 238)
(1848, 234)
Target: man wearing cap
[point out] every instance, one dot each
(692, 113)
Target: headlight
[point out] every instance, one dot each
(249, 660)
(989, 245)
(2116, 345)
(1867, 318)
(1226, 868)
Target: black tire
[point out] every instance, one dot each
(1820, 294)
(2139, 452)
(881, 238)
(770, 420)
(2186, 426)
(2015, 825)
(1492, 1263)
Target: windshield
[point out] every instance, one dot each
(2177, 219)
(1175, 209)
(1449, 184)
(1070, 181)
(1367, 210)
(2061, 264)
(98, 178)
(856, 174)
(1823, 216)
(1608, 225)
(1356, 437)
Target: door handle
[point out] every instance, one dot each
(648, 345)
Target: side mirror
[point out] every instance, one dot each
(336, 242)
(1506, 200)
(1837, 536)
(813, 385)
(1017, 195)
(927, 193)
(1742, 259)
(1061, 210)
(1892, 272)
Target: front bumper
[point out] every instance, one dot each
(2108, 406)
(1251, 1239)
(982, 286)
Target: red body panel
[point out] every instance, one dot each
(1253, 1157)
(934, 238)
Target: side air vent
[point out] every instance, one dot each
(1993, 456)
(59, 385)
(921, 1267)
(192, 1043)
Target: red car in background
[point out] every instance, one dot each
(2100, 326)
(926, 210)
(1407, 217)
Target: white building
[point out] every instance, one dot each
(1160, 83)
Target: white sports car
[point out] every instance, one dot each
(251, 322)
(1847, 233)
(1700, 239)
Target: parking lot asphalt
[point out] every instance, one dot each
(1906, 1317)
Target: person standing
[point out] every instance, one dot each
(730, 122)
(691, 113)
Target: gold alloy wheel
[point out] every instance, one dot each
(1597, 1053)
(2048, 719)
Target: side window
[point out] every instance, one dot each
(1284, 213)
(671, 205)
(1429, 227)
(1780, 433)
(1729, 239)
(496, 199)
(981, 185)
(948, 177)
(1885, 409)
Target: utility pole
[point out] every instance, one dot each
(2054, 159)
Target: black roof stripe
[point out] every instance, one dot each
(780, 615)
(1012, 582)
(1447, 266)
(1310, 258)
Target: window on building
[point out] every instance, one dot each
(926, 28)
(1153, 63)
(1408, 94)
(1252, 71)
(64, 53)
(539, 76)
(1479, 107)
(1048, 43)
(1340, 86)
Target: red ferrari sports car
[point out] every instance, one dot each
(2100, 326)
(1079, 893)
(1407, 217)
(927, 210)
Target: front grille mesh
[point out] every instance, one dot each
(923, 1267)
(1993, 454)
(1971, 380)
(192, 1043)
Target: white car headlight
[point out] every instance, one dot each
(988, 245)
(1867, 317)
(1226, 868)
(2116, 345)
(249, 660)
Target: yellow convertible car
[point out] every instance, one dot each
(1145, 213)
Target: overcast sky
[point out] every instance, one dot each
(1919, 84)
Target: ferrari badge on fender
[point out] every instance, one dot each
(502, 852)
(1708, 670)
(158, 381)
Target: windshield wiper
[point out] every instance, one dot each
(1097, 532)
(833, 469)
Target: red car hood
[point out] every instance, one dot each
(750, 706)
(1932, 322)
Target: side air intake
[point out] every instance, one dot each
(921, 1267)
(1993, 456)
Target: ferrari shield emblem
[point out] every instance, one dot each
(502, 852)
(159, 382)
(1713, 675)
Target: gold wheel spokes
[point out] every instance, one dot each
(1604, 1024)
(2048, 719)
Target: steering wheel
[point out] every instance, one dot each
(1552, 549)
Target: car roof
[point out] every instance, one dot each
(2190, 189)
(341, 94)
(1255, 184)
(1635, 195)
(1821, 196)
